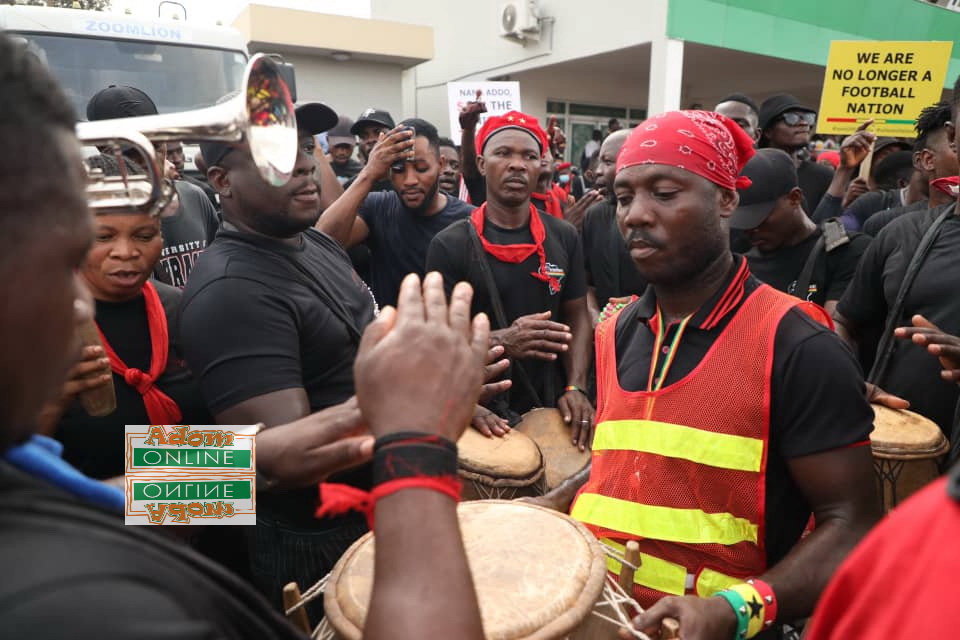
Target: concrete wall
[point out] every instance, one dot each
(467, 46)
(348, 87)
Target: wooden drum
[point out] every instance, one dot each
(503, 468)
(907, 449)
(538, 574)
(561, 458)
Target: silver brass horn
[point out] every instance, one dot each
(261, 115)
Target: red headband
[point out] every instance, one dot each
(512, 120)
(701, 142)
(564, 165)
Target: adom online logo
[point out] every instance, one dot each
(190, 474)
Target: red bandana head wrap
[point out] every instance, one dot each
(701, 142)
(512, 120)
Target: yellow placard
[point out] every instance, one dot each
(888, 81)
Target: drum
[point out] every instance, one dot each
(561, 458)
(907, 449)
(505, 468)
(538, 574)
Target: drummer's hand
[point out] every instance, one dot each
(494, 369)
(699, 618)
(420, 366)
(307, 451)
(534, 336)
(876, 395)
(944, 346)
(578, 414)
(488, 423)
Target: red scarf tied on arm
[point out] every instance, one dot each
(161, 409)
(517, 253)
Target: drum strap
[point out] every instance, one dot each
(480, 256)
(887, 341)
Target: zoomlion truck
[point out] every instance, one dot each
(179, 65)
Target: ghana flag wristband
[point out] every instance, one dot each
(573, 387)
(755, 607)
(739, 606)
(769, 600)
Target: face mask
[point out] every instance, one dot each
(564, 179)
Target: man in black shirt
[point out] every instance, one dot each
(399, 224)
(742, 110)
(270, 323)
(786, 124)
(708, 350)
(535, 264)
(790, 252)
(610, 271)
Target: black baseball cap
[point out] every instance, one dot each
(884, 142)
(341, 134)
(315, 117)
(120, 102)
(775, 106)
(372, 116)
(774, 175)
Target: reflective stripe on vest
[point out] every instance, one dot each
(691, 526)
(720, 450)
(669, 577)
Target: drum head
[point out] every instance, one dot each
(512, 457)
(903, 435)
(561, 459)
(537, 572)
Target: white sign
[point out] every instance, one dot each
(500, 97)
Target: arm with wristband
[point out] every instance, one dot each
(418, 375)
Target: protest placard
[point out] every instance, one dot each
(500, 97)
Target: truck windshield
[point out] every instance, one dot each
(176, 77)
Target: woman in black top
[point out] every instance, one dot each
(135, 318)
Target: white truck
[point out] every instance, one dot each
(181, 66)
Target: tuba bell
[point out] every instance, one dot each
(261, 115)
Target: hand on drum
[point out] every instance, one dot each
(578, 413)
(876, 395)
(420, 366)
(534, 336)
(699, 618)
(944, 346)
(488, 423)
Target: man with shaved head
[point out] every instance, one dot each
(610, 271)
(526, 268)
(727, 410)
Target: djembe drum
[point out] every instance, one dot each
(502, 468)
(538, 574)
(907, 449)
(561, 458)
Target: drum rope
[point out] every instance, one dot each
(617, 555)
(311, 594)
(620, 602)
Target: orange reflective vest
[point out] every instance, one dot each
(682, 470)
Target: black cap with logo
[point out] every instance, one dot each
(119, 102)
(371, 116)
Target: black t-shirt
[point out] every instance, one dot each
(399, 239)
(346, 171)
(608, 264)
(95, 445)
(868, 204)
(912, 373)
(880, 219)
(71, 570)
(832, 271)
(817, 395)
(185, 235)
(260, 316)
(451, 253)
(814, 181)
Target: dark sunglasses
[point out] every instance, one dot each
(793, 118)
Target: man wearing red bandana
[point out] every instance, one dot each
(727, 411)
(527, 272)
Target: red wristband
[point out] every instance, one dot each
(769, 600)
(336, 499)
